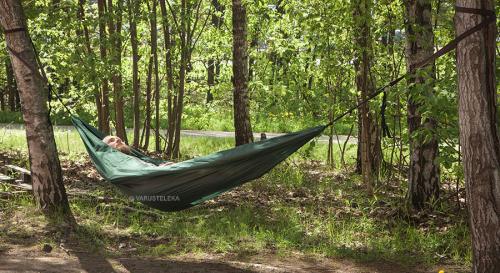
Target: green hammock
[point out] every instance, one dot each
(188, 183)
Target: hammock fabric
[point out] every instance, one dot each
(188, 183)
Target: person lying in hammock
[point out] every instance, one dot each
(117, 143)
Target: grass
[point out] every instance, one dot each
(298, 206)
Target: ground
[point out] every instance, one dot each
(306, 227)
(17, 258)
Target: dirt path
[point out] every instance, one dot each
(16, 258)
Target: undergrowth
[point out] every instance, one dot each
(302, 205)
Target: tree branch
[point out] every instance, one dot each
(202, 29)
(173, 14)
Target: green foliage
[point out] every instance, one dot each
(11, 117)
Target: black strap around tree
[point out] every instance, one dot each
(12, 30)
(489, 17)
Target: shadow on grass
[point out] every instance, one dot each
(156, 265)
(87, 244)
(92, 256)
(98, 263)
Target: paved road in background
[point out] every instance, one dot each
(193, 133)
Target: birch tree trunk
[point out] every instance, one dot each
(423, 176)
(478, 122)
(47, 180)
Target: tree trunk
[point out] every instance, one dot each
(3, 91)
(2, 99)
(104, 127)
(48, 187)
(217, 21)
(88, 50)
(182, 79)
(133, 10)
(115, 26)
(423, 177)
(11, 87)
(170, 77)
(479, 134)
(359, 144)
(242, 126)
(370, 149)
(147, 121)
(217, 71)
(154, 51)
(180, 100)
(210, 79)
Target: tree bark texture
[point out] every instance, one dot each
(179, 102)
(115, 26)
(210, 79)
(217, 21)
(154, 49)
(170, 77)
(242, 126)
(423, 176)
(104, 127)
(370, 149)
(358, 148)
(47, 180)
(133, 10)
(147, 121)
(479, 134)
(11, 87)
(2, 99)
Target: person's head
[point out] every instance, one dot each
(117, 143)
